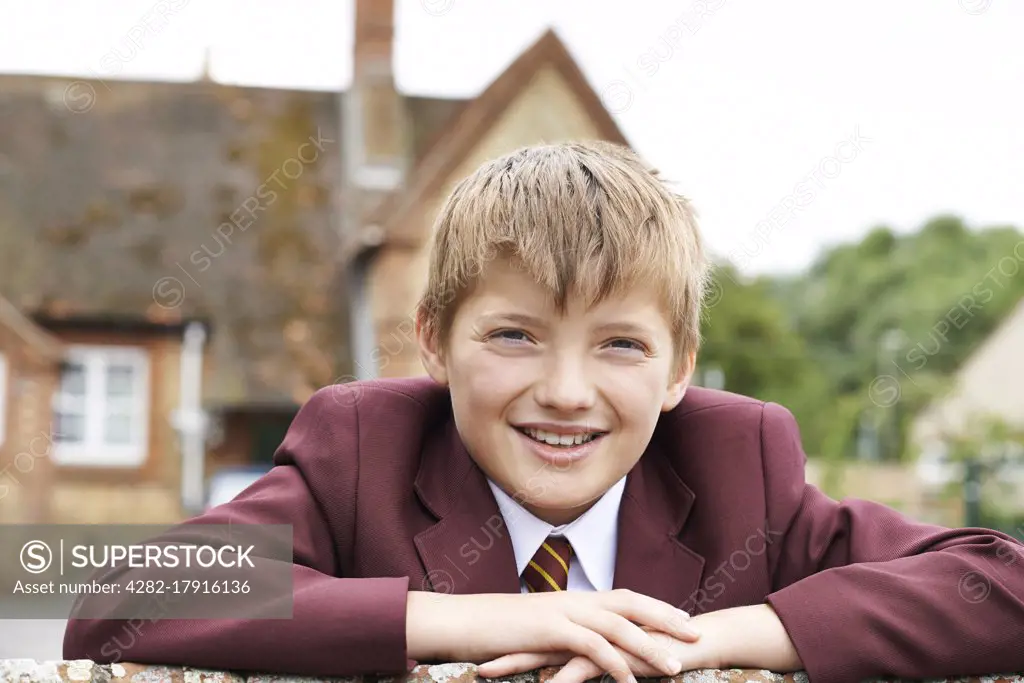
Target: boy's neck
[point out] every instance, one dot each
(559, 517)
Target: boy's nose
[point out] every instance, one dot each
(566, 387)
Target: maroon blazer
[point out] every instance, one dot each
(384, 498)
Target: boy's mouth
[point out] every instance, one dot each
(560, 440)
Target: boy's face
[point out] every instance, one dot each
(515, 366)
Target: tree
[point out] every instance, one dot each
(748, 336)
(910, 307)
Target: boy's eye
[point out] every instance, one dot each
(520, 336)
(511, 334)
(630, 344)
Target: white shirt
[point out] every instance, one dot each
(593, 535)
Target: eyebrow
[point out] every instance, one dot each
(626, 328)
(621, 327)
(514, 318)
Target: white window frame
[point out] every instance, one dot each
(4, 375)
(93, 451)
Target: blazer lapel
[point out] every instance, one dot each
(468, 550)
(650, 558)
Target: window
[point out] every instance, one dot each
(101, 409)
(3, 398)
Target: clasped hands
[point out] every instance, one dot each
(589, 634)
(642, 637)
(663, 655)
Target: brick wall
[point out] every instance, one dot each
(30, 671)
(25, 468)
(45, 492)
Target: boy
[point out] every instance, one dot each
(554, 493)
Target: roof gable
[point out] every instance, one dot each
(470, 125)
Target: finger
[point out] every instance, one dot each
(643, 668)
(591, 645)
(651, 612)
(520, 662)
(634, 640)
(580, 669)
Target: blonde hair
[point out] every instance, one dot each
(584, 218)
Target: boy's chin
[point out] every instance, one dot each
(563, 502)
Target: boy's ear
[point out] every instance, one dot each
(430, 354)
(679, 383)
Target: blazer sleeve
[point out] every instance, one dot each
(339, 626)
(865, 592)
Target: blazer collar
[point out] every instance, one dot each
(469, 550)
(656, 505)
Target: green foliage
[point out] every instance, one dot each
(747, 334)
(912, 307)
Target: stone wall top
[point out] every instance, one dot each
(85, 671)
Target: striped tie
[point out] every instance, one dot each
(549, 568)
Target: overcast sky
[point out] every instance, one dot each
(742, 102)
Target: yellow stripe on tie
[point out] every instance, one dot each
(557, 557)
(547, 577)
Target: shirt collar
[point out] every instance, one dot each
(593, 535)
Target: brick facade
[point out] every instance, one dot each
(26, 473)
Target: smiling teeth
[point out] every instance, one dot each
(553, 439)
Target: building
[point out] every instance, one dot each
(541, 97)
(183, 264)
(30, 361)
(984, 408)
